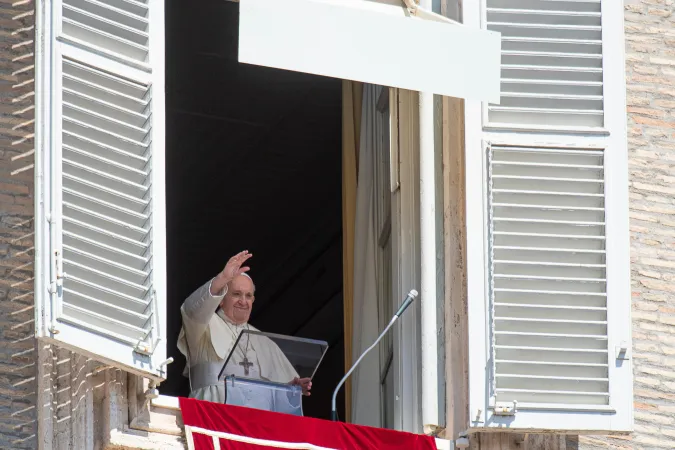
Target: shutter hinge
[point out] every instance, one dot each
(622, 352)
(55, 284)
(505, 408)
(60, 275)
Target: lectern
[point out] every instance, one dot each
(260, 367)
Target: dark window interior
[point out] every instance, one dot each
(253, 162)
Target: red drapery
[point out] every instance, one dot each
(251, 429)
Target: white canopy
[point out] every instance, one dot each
(370, 41)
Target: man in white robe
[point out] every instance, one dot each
(213, 317)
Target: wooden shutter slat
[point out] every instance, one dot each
(128, 34)
(548, 335)
(117, 312)
(102, 323)
(118, 27)
(98, 162)
(134, 15)
(545, 12)
(79, 213)
(107, 282)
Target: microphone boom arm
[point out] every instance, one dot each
(411, 296)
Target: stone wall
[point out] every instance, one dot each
(18, 424)
(80, 400)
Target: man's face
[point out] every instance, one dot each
(239, 299)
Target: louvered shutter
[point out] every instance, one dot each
(104, 293)
(550, 337)
(551, 63)
(548, 275)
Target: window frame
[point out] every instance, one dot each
(403, 145)
(383, 200)
(406, 257)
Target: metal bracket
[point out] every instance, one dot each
(505, 409)
(143, 348)
(152, 392)
(622, 352)
(478, 417)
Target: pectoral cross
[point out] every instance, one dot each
(245, 364)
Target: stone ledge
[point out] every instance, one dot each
(139, 440)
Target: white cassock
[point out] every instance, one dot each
(208, 336)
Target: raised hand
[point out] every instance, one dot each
(233, 268)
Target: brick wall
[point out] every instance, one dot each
(18, 425)
(650, 77)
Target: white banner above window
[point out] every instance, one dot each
(373, 42)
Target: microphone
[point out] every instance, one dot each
(408, 300)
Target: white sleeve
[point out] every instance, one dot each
(201, 305)
(198, 309)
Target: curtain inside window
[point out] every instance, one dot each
(365, 389)
(352, 93)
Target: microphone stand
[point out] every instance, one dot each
(408, 300)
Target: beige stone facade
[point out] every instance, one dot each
(650, 79)
(84, 402)
(18, 418)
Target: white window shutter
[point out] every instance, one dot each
(549, 306)
(551, 63)
(548, 276)
(104, 273)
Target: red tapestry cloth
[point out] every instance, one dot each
(240, 428)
